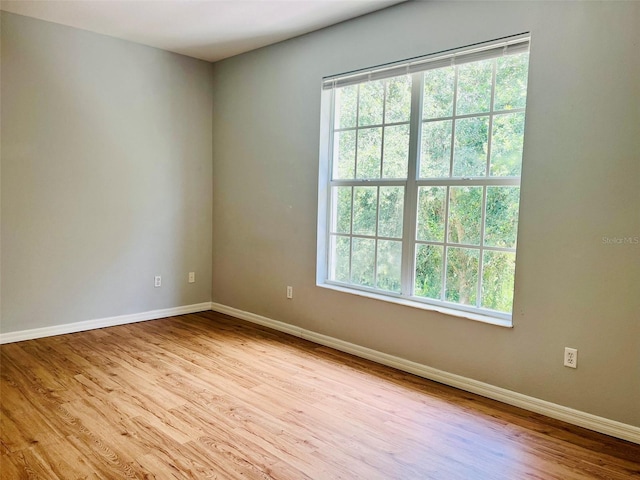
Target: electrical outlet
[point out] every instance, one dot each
(192, 277)
(157, 281)
(571, 357)
(289, 292)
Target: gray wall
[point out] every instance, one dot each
(581, 182)
(106, 176)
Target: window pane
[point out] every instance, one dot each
(391, 212)
(398, 108)
(396, 151)
(365, 200)
(506, 144)
(428, 271)
(339, 258)
(501, 223)
(431, 205)
(511, 81)
(435, 155)
(341, 216)
(474, 87)
(498, 269)
(438, 93)
(462, 275)
(369, 152)
(346, 106)
(371, 103)
(388, 268)
(344, 154)
(363, 263)
(465, 210)
(470, 150)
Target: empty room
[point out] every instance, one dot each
(323, 239)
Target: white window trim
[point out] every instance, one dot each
(415, 68)
(391, 298)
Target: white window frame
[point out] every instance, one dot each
(416, 68)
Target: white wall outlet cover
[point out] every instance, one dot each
(571, 357)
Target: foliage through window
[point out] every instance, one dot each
(423, 188)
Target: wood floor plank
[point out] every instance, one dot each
(24, 465)
(23, 428)
(104, 460)
(63, 464)
(10, 468)
(208, 396)
(159, 469)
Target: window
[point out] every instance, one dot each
(420, 179)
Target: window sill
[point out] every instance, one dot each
(421, 306)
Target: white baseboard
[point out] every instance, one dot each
(559, 412)
(21, 335)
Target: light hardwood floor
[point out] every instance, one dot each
(207, 396)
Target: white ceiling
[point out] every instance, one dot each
(206, 29)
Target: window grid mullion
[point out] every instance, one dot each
(483, 214)
(355, 175)
(368, 237)
(491, 115)
(481, 253)
(407, 271)
(369, 183)
(464, 245)
(445, 250)
(383, 129)
(468, 115)
(378, 125)
(443, 282)
(471, 182)
(355, 156)
(375, 239)
(453, 120)
(375, 242)
(351, 232)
